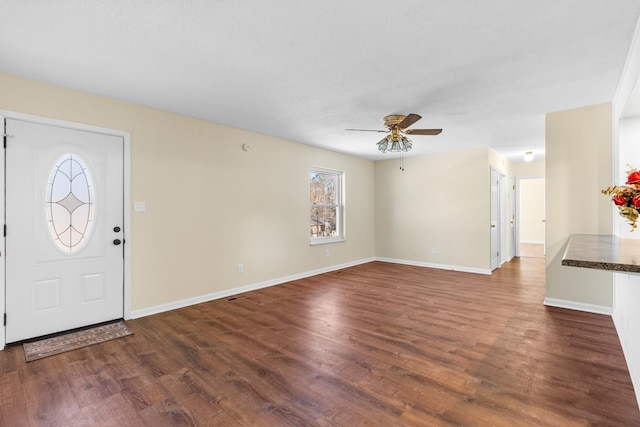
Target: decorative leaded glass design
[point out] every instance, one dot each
(70, 203)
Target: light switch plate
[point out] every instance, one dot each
(139, 206)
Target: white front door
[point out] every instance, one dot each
(64, 229)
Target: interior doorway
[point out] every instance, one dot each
(531, 217)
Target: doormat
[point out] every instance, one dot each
(74, 340)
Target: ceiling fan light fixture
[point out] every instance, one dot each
(394, 143)
(396, 140)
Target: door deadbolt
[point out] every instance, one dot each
(116, 229)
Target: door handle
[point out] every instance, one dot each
(117, 242)
(493, 226)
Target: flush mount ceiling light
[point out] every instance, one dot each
(528, 156)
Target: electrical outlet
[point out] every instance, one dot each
(240, 268)
(433, 250)
(326, 253)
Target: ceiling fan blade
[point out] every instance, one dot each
(409, 120)
(368, 130)
(423, 131)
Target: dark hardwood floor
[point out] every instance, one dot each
(377, 344)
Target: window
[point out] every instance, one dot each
(70, 203)
(326, 206)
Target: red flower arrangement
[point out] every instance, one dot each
(627, 197)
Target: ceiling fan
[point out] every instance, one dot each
(397, 125)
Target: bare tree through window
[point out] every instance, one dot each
(325, 203)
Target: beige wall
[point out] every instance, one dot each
(528, 169)
(532, 210)
(211, 205)
(497, 161)
(440, 201)
(578, 166)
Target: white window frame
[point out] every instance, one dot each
(339, 205)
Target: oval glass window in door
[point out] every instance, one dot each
(70, 203)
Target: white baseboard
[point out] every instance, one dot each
(438, 266)
(533, 242)
(135, 314)
(506, 261)
(580, 306)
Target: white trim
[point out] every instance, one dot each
(580, 306)
(533, 242)
(629, 76)
(497, 214)
(126, 137)
(241, 289)
(252, 287)
(513, 243)
(2, 254)
(503, 220)
(438, 266)
(127, 224)
(326, 240)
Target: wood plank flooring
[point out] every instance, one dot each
(531, 250)
(374, 345)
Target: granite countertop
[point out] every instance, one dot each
(603, 252)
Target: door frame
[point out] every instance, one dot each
(502, 220)
(518, 210)
(126, 137)
(514, 250)
(494, 199)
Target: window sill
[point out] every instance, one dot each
(315, 242)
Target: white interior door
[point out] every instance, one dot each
(64, 238)
(502, 220)
(494, 213)
(512, 220)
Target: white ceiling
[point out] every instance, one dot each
(486, 71)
